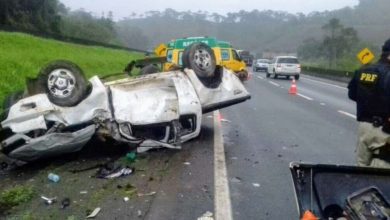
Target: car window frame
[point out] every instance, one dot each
(236, 56)
(288, 58)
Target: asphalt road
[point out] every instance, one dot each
(264, 135)
(239, 163)
(260, 138)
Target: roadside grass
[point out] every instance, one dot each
(15, 196)
(23, 55)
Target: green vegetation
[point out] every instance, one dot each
(336, 46)
(23, 56)
(15, 196)
(37, 15)
(336, 51)
(274, 32)
(261, 31)
(311, 70)
(52, 17)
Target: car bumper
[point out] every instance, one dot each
(288, 73)
(261, 68)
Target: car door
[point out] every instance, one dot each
(231, 61)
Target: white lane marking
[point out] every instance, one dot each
(222, 203)
(260, 77)
(305, 97)
(323, 104)
(347, 114)
(324, 83)
(274, 83)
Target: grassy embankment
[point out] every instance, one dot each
(23, 55)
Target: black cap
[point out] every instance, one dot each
(386, 47)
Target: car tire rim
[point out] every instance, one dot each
(61, 83)
(202, 58)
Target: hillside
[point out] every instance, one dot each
(23, 55)
(255, 30)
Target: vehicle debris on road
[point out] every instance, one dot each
(3, 165)
(236, 180)
(206, 216)
(113, 170)
(256, 184)
(146, 194)
(65, 203)
(53, 177)
(94, 213)
(131, 157)
(49, 201)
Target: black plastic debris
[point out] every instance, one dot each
(3, 165)
(113, 170)
(65, 203)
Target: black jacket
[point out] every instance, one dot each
(370, 89)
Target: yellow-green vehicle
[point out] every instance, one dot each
(225, 54)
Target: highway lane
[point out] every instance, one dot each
(264, 135)
(260, 138)
(323, 91)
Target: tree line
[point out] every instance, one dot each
(338, 42)
(52, 17)
(328, 36)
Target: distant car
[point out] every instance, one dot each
(261, 65)
(284, 66)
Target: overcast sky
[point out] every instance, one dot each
(123, 8)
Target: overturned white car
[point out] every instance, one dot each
(60, 111)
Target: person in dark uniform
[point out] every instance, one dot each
(370, 89)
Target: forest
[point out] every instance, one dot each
(309, 35)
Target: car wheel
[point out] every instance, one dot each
(287, 77)
(296, 77)
(201, 59)
(275, 75)
(149, 69)
(64, 83)
(267, 75)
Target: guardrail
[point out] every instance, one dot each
(69, 39)
(338, 75)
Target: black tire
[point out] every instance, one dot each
(76, 87)
(201, 59)
(296, 77)
(184, 57)
(149, 69)
(275, 75)
(287, 77)
(268, 75)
